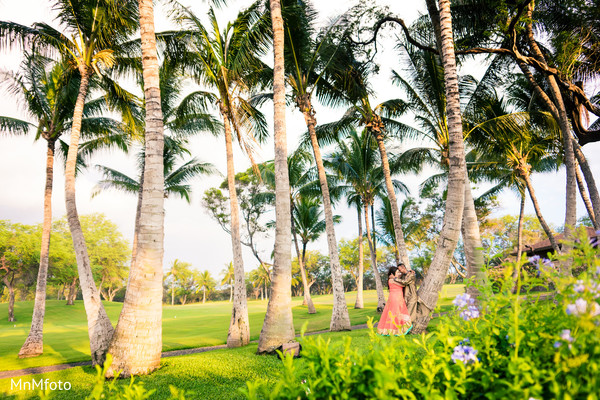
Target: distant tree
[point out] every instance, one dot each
(228, 276)
(206, 283)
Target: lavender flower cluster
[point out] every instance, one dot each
(581, 308)
(464, 353)
(565, 337)
(466, 303)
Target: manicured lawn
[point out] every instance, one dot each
(194, 325)
(218, 374)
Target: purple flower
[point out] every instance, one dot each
(535, 259)
(547, 263)
(579, 308)
(566, 335)
(470, 313)
(557, 344)
(579, 287)
(465, 354)
(463, 300)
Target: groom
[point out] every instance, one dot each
(416, 307)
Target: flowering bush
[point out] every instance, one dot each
(501, 346)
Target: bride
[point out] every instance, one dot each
(395, 319)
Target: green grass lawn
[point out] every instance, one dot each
(194, 325)
(216, 374)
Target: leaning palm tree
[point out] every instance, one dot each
(48, 91)
(457, 176)
(137, 342)
(358, 166)
(94, 33)
(423, 81)
(226, 61)
(307, 61)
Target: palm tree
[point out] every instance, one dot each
(278, 326)
(228, 277)
(432, 284)
(358, 165)
(301, 180)
(137, 342)
(95, 32)
(173, 273)
(48, 90)
(224, 61)
(424, 86)
(307, 61)
(261, 278)
(309, 226)
(513, 145)
(205, 282)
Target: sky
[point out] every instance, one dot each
(190, 234)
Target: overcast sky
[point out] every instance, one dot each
(190, 234)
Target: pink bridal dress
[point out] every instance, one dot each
(395, 319)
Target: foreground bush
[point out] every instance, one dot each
(507, 346)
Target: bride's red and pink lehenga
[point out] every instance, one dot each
(395, 319)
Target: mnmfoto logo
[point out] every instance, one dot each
(40, 384)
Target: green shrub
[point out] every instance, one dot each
(507, 346)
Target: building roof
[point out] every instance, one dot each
(543, 247)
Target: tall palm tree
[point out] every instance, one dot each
(48, 90)
(357, 164)
(95, 32)
(423, 81)
(228, 277)
(307, 61)
(455, 199)
(137, 341)
(226, 60)
(278, 326)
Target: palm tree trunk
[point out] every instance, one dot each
(538, 212)
(137, 342)
(586, 200)
(359, 303)
(517, 269)
(432, 284)
(376, 275)
(568, 154)
(307, 299)
(203, 295)
(472, 242)
(278, 326)
(72, 292)
(398, 233)
(138, 213)
(340, 320)
(34, 344)
(173, 291)
(100, 329)
(589, 179)
(11, 295)
(239, 327)
(520, 229)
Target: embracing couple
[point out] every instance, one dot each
(403, 306)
